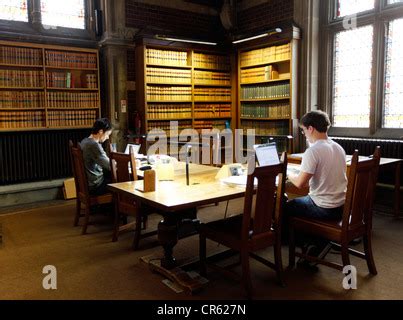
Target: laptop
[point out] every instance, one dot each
(136, 148)
(266, 154)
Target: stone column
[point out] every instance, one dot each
(306, 16)
(115, 41)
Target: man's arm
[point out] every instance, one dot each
(301, 180)
(101, 158)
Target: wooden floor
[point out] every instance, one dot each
(93, 267)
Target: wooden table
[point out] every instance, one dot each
(177, 201)
(391, 162)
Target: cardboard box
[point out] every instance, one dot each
(69, 189)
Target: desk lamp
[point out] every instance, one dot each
(188, 154)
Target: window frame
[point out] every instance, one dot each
(379, 17)
(31, 31)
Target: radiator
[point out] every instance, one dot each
(36, 155)
(366, 147)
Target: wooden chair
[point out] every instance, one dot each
(252, 231)
(125, 205)
(356, 220)
(83, 195)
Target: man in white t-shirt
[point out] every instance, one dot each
(323, 168)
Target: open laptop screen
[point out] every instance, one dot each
(136, 148)
(266, 154)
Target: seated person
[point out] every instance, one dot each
(323, 167)
(96, 162)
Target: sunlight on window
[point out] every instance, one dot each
(393, 112)
(15, 10)
(352, 77)
(394, 1)
(66, 13)
(349, 7)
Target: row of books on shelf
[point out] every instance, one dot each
(72, 99)
(212, 77)
(70, 59)
(60, 80)
(267, 91)
(259, 74)
(209, 61)
(21, 99)
(266, 55)
(166, 57)
(21, 78)
(160, 75)
(22, 119)
(167, 93)
(169, 111)
(264, 110)
(267, 128)
(167, 125)
(71, 80)
(71, 118)
(91, 81)
(213, 110)
(20, 56)
(212, 94)
(210, 124)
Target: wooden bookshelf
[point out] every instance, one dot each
(45, 86)
(267, 91)
(185, 84)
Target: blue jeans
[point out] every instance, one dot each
(305, 207)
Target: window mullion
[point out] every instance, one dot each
(36, 16)
(376, 81)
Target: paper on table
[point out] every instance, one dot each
(237, 181)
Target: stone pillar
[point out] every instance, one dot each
(114, 43)
(306, 16)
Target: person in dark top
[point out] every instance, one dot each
(96, 162)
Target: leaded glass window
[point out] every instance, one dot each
(394, 1)
(16, 10)
(393, 101)
(349, 7)
(352, 77)
(65, 13)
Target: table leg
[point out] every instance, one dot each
(173, 227)
(397, 190)
(168, 238)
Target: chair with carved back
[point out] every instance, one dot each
(356, 220)
(256, 228)
(84, 198)
(124, 169)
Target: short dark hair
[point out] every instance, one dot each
(316, 119)
(101, 124)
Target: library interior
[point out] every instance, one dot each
(201, 150)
